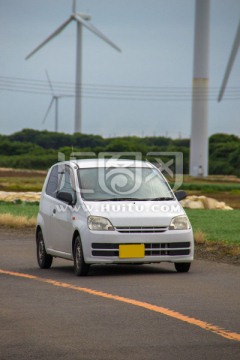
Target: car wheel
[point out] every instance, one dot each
(80, 267)
(182, 267)
(44, 260)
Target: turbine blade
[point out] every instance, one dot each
(74, 7)
(65, 96)
(93, 29)
(55, 33)
(49, 108)
(49, 81)
(232, 57)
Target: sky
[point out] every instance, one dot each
(145, 90)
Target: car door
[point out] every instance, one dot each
(47, 205)
(61, 220)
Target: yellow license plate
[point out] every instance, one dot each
(131, 251)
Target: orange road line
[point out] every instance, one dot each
(159, 309)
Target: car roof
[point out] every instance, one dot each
(93, 163)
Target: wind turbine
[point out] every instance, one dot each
(232, 57)
(55, 99)
(199, 133)
(82, 20)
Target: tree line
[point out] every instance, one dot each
(33, 149)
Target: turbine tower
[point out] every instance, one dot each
(199, 132)
(82, 20)
(232, 57)
(55, 99)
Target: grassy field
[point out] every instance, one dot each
(24, 209)
(35, 183)
(21, 184)
(21, 180)
(215, 225)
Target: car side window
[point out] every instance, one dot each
(67, 182)
(52, 184)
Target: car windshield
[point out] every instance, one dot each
(121, 183)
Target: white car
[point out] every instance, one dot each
(100, 211)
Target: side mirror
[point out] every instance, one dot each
(180, 194)
(65, 196)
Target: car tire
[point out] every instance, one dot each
(80, 267)
(182, 267)
(44, 260)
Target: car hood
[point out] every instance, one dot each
(136, 213)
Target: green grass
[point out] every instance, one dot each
(23, 209)
(217, 225)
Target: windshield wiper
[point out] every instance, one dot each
(123, 199)
(138, 199)
(162, 199)
(133, 199)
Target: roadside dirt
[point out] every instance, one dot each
(218, 252)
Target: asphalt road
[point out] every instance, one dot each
(117, 312)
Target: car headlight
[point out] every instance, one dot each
(180, 222)
(99, 223)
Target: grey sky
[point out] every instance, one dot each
(156, 64)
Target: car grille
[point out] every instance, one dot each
(152, 249)
(141, 229)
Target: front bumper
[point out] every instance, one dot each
(102, 247)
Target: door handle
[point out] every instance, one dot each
(54, 211)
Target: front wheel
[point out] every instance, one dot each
(182, 267)
(80, 267)
(44, 260)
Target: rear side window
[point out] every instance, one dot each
(53, 182)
